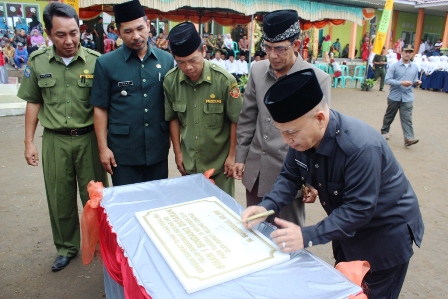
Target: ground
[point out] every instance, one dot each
(27, 251)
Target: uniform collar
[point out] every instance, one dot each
(128, 52)
(205, 75)
(328, 142)
(80, 53)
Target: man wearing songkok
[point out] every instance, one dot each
(373, 212)
(202, 104)
(133, 136)
(260, 150)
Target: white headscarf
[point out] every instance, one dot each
(444, 63)
(417, 61)
(424, 63)
(431, 66)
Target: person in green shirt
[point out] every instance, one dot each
(56, 85)
(380, 63)
(127, 93)
(202, 104)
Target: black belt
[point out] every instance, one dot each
(74, 132)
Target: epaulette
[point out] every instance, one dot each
(171, 70)
(93, 52)
(219, 69)
(38, 52)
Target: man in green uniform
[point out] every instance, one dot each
(56, 85)
(202, 104)
(380, 63)
(133, 136)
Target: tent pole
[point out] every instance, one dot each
(251, 37)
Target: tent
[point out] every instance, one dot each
(232, 11)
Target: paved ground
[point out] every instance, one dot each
(27, 252)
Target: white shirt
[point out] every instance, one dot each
(219, 62)
(228, 42)
(421, 49)
(241, 67)
(336, 67)
(231, 66)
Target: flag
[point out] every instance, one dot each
(381, 34)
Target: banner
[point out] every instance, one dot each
(381, 34)
(73, 3)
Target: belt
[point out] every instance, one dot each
(74, 132)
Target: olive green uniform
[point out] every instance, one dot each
(205, 110)
(380, 69)
(67, 161)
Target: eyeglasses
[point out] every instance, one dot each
(409, 51)
(277, 50)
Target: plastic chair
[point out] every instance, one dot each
(109, 45)
(341, 78)
(235, 49)
(358, 75)
(323, 67)
(346, 75)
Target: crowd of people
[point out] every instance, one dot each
(19, 43)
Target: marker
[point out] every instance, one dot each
(259, 215)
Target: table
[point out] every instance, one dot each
(137, 264)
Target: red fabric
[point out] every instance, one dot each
(89, 223)
(116, 263)
(109, 45)
(355, 271)
(337, 74)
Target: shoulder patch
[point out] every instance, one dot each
(27, 71)
(235, 92)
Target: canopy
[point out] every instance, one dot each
(201, 15)
(310, 11)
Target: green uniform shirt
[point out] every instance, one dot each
(132, 91)
(380, 58)
(63, 90)
(205, 110)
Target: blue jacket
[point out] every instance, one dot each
(373, 212)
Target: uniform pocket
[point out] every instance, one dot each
(85, 86)
(48, 90)
(214, 115)
(180, 109)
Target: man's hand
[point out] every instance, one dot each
(180, 164)
(250, 211)
(417, 83)
(287, 234)
(31, 155)
(238, 170)
(406, 83)
(107, 160)
(228, 166)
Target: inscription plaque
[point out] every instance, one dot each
(205, 243)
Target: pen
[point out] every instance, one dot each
(159, 76)
(259, 215)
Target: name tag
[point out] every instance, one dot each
(125, 83)
(42, 76)
(213, 101)
(301, 164)
(86, 76)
